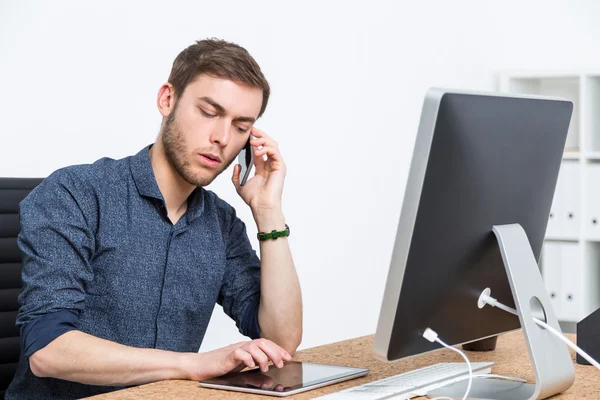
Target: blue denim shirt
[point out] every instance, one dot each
(100, 255)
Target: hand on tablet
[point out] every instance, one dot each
(236, 357)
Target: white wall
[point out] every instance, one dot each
(79, 80)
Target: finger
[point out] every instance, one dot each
(272, 147)
(285, 356)
(234, 346)
(259, 164)
(240, 355)
(274, 352)
(259, 356)
(278, 388)
(270, 151)
(236, 176)
(264, 141)
(273, 156)
(238, 344)
(258, 142)
(257, 133)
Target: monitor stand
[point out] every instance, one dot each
(550, 359)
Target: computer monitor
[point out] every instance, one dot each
(480, 160)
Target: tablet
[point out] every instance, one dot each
(295, 377)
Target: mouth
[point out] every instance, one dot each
(210, 160)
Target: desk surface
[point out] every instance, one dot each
(511, 358)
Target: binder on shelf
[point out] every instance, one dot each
(592, 217)
(571, 273)
(554, 226)
(570, 218)
(551, 260)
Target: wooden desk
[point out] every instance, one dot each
(511, 358)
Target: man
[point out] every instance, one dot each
(124, 260)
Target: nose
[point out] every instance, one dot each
(220, 133)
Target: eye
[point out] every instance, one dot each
(242, 129)
(206, 114)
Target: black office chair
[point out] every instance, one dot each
(12, 191)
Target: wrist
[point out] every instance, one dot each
(187, 367)
(268, 220)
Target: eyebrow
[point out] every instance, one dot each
(221, 110)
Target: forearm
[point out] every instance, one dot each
(280, 310)
(80, 357)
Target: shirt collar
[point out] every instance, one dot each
(145, 181)
(195, 205)
(143, 175)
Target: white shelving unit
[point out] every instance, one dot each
(570, 261)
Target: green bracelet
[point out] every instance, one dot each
(274, 234)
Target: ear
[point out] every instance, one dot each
(166, 99)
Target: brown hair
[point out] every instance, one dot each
(220, 59)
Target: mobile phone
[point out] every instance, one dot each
(246, 160)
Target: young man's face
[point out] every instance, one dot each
(208, 127)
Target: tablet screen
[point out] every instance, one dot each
(294, 375)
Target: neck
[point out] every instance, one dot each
(173, 187)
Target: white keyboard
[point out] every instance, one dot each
(413, 383)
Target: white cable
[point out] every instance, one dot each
(432, 336)
(485, 298)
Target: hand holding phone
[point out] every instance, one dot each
(265, 189)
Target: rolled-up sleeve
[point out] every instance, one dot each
(240, 292)
(56, 245)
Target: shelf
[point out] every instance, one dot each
(593, 156)
(573, 155)
(561, 239)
